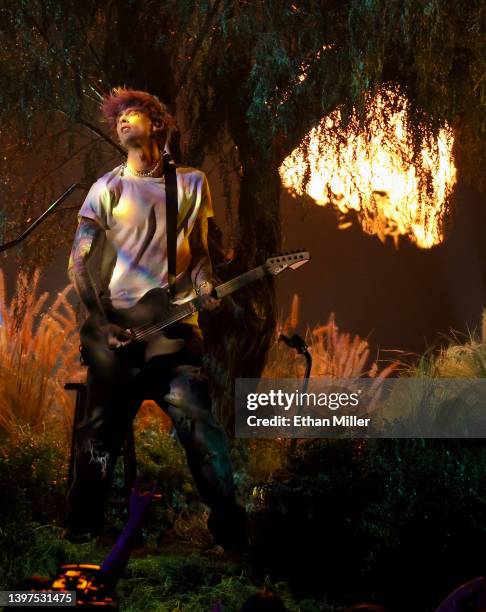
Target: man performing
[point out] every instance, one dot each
(127, 207)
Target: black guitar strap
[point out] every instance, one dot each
(172, 208)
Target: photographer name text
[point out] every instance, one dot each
(308, 421)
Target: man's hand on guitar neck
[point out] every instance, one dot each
(206, 294)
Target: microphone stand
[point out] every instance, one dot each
(297, 343)
(40, 219)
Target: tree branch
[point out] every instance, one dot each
(196, 47)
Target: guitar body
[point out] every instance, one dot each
(157, 325)
(153, 307)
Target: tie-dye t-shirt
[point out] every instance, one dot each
(131, 211)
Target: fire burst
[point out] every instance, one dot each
(374, 173)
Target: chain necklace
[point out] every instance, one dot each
(150, 172)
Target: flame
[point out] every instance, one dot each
(373, 172)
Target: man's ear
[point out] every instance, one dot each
(154, 127)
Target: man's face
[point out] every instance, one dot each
(133, 127)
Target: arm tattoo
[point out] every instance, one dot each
(201, 269)
(85, 240)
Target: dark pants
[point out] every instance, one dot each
(179, 385)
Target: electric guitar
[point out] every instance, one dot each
(154, 321)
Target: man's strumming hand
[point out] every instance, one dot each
(115, 335)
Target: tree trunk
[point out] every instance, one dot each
(238, 338)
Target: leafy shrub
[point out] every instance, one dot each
(161, 463)
(33, 473)
(194, 584)
(392, 519)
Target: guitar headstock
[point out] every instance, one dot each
(291, 259)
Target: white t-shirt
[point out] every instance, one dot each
(131, 211)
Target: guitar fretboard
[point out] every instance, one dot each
(240, 281)
(183, 310)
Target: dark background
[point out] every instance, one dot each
(403, 298)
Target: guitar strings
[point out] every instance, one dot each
(150, 329)
(147, 330)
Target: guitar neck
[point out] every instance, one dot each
(240, 281)
(272, 266)
(188, 308)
